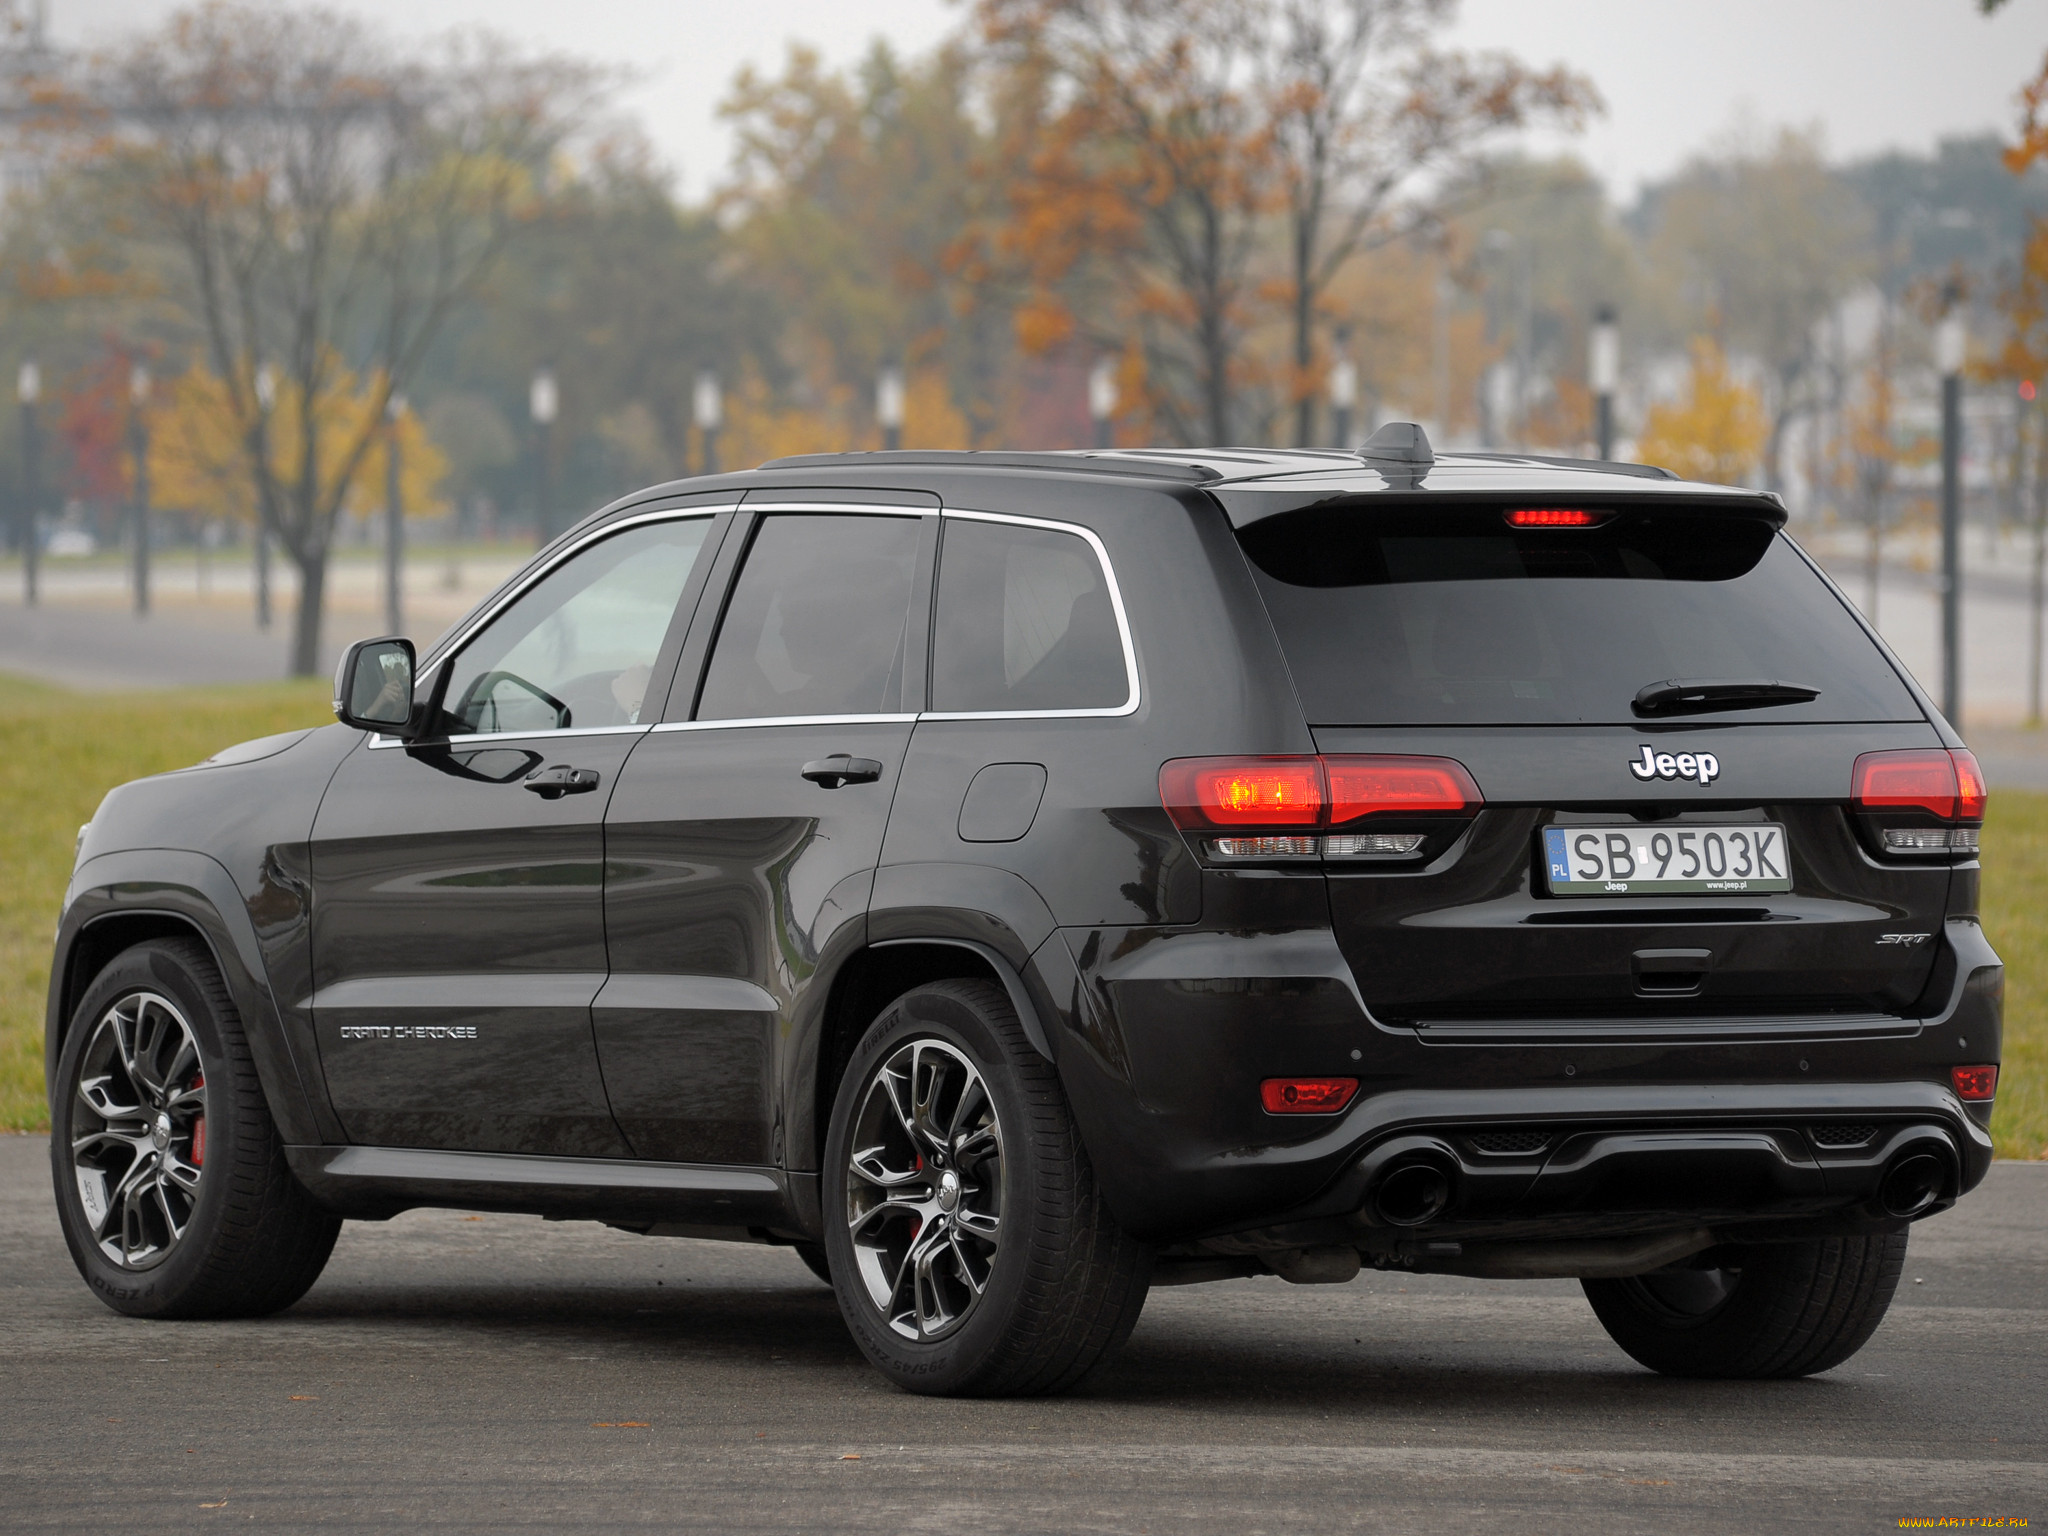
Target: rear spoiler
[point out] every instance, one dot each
(1249, 504)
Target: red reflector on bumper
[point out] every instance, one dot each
(1306, 1095)
(1975, 1084)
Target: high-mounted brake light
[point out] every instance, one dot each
(1554, 517)
(1306, 1095)
(1273, 807)
(1975, 1084)
(1943, 782)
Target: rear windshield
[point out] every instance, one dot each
(1451, 616)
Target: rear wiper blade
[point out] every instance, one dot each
(1699, 696)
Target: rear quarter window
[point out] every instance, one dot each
(1450, 616)
(1023, 623)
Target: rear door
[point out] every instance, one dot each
(742, 841)
(1639, 855)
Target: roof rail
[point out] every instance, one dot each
(1184, 468)
(1605, 466)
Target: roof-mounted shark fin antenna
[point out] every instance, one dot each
(1401, 442)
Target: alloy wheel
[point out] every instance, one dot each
(138, 1144)
(925, 1189)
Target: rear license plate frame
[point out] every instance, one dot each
(1674, 859)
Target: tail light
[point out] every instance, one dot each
(1376, 806)
(1554, 517)
(1975, 1084)
(1306, 1095)
(1902, 794)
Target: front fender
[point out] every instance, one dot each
(197, 893)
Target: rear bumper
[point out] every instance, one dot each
(1746, 1160)
(1739, 1161)
(1749, 1134)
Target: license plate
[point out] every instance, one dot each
(1636, 860)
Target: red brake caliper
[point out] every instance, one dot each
(199, 1130)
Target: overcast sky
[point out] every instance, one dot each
(1676, 74)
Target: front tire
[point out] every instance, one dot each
(1769, 1310)
(170, 1176)
(970, 1248)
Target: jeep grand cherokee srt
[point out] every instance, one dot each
(1016, 880)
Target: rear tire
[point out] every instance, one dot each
(1769, 1310)
(171, 1182)
(970, 1248)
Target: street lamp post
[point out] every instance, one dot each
(394, 521)
(1102, 401)
(266, 402)
(543, 401)
(1951, 344)
(138, 445)
(708, 406)
(29, 389)
(1343, 390)
(889, 406)
(1603, 365)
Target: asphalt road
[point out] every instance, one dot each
(506, 1373)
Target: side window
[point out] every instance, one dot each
(576, 648)
(1023, 622)
(819, 622)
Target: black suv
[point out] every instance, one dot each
(1016, 880)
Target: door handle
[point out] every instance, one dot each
(553, 783)
(841, 768)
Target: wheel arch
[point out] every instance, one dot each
(119, 900)
(878, 973)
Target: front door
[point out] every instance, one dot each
(458, 911)
(742, 840)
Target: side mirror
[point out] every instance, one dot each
(373, 686)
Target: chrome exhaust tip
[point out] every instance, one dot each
(1916, 1181)
(1411, 1194)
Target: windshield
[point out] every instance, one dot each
(1450, 616)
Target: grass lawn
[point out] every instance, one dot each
(60, 752)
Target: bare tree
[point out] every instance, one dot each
(333, 203)
(1369, 126)
(1769, 241)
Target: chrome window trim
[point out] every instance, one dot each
(766, 720)
(862, 508)
(533, 576)
(511, 595)
(1116, 603)
(470, 739)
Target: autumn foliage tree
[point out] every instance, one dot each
(197, 458)
(1716, 432)
(1171, 138)
(330, 203)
